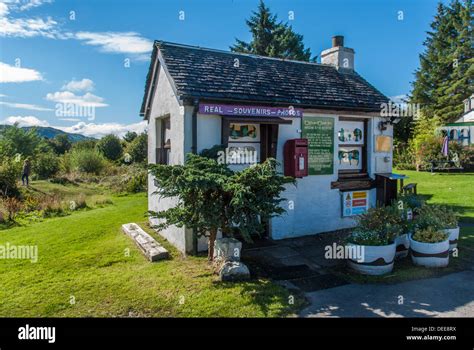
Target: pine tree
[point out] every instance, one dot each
(446, 73)
(272, 38)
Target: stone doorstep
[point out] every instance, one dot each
(147, 244)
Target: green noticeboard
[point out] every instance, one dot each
(320, 134)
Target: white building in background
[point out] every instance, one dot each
(196, 98)
(462, 130)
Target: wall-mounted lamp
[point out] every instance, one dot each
(392, 120)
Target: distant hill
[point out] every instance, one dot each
(49, 133)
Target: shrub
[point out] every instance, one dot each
(10, 171)
(12, 206)
(138, 148)
(430, 235)
(387, 222)
(89, 144)
(446, 215)
(130, 136)
(46, 165)
(110, 147)
(87, 161)
(78, 202)
(133, 181)
(52, 206)
(361, 236)
(427, 217)
(60, 144)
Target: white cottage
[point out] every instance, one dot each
(462, 130)
(326, 114)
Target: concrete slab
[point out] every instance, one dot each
(447, 296)
(152, 250)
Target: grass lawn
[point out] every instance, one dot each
(455, 189)
(84, 258)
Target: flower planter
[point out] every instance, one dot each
(429, 254)
(453, 237)
(402, 243)
(375, 260)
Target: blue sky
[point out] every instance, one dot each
(50, 55)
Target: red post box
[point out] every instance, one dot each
(296, 157)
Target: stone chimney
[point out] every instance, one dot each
(338, 55)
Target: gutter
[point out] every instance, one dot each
(194, 126)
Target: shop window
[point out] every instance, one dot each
(243, 143)
(164, 143)
(352, 147)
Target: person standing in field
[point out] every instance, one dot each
(25, 172)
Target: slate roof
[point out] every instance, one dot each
(209, 74)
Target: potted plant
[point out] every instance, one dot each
(374, 240)
(450, 224)
(402, 241)
(429, 247)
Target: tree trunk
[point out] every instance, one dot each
(212, 240)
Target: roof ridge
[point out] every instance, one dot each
(241, 54)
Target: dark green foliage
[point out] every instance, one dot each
(85, 144)
(15, 140)
(211, 196)
(446, 74)
(46, 165)
(10, 171)
(60, 144)
(87, 161)
(130, 136)
(138, 148)
(213, 152)
(272, 38)
(110, 147)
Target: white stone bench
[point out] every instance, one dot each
(153, 250)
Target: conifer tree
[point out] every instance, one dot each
(272, 38)
(446, 74)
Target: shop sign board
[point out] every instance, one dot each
(249, 111)
(320, 134)
(355, 202)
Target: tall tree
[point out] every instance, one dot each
(446, 74)
(272, 38)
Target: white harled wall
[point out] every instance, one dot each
(317, 208)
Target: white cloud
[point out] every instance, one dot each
(25, 27)
(116, 42)
(28, 106)
(4, 9)
(86, 100)
(25, 121)
(100, 130)
(399, 98)
(12, 74)
(79, 85)
(33, 3)
(87, 129)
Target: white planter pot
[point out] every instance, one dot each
(374, 260)
(429, 254)
(453, 237)
(402, 243)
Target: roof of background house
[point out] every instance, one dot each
(210, 74)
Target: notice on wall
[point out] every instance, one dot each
(383, 143)
(320, 134)
(355, 203)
